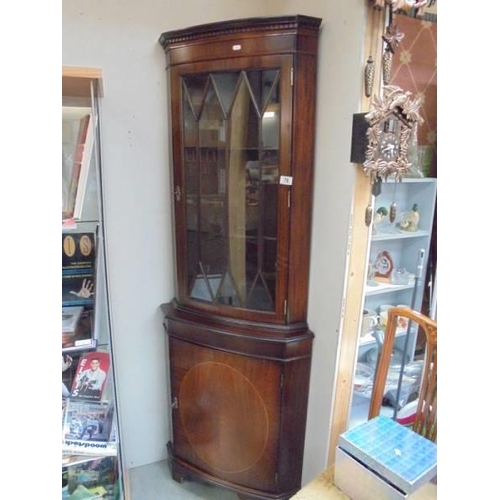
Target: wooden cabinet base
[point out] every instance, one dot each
(239, 402)
(182, 471)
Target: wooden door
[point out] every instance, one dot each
(226, 413)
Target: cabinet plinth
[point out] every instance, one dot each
(239, 403)
(242, 105)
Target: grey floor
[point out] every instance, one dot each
(154, 482)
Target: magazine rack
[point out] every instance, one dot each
(91, 452)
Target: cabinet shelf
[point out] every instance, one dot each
(89, 345)
(369, 339)
(386, 288)
(399, 235)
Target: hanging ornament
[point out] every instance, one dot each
(392, 38)
(369, 75)
(368, 214)
(370, 63)
(393, 209)
(386, 66)
(375, 191)
(392, 212)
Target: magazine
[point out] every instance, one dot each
(70, 317)
(87, 428)
(90, 376)
(93, 473)
(82, 339)
(78, 135)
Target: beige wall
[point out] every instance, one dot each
(121, 38)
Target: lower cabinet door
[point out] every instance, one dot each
(226, 413)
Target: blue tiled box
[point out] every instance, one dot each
(394, 452)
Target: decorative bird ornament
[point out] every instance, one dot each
(410, 220)
(380, 215)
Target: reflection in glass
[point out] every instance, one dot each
(231, 158)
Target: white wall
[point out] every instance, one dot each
(121, 38)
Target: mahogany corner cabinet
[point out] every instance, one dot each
(242, 111)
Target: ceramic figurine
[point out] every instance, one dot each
(411, 219)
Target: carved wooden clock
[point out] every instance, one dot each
(392, 122)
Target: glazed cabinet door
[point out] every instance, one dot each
(226, 414)
(231, 152)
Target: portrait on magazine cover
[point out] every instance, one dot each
(90, 376)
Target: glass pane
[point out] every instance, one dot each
(194, 90)
(225, 85)
(190, 152)
(231, 164)
(264, 87)
(271, 126)
(213, 214)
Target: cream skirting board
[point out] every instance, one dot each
(322, 488)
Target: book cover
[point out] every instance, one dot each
(78, 251)
(68, 372)
(78, 289)
(87, 427)
(77, 147)
(78, 269)
(91, 375)
(70, 317)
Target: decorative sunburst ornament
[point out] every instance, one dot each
(405, 5)
(408, 5)
(390, 124)
(393, 37)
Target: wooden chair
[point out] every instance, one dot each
(425, 422)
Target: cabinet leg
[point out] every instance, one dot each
(177, 476)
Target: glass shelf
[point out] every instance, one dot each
(369, 339)
(386, 288)
(397, 235)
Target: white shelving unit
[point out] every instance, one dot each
(404, 248)
(87, 472)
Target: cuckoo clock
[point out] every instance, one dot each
(392, 123)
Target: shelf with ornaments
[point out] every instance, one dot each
(404, 209)
(395, 249)
(399, 235)
(382, 288)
